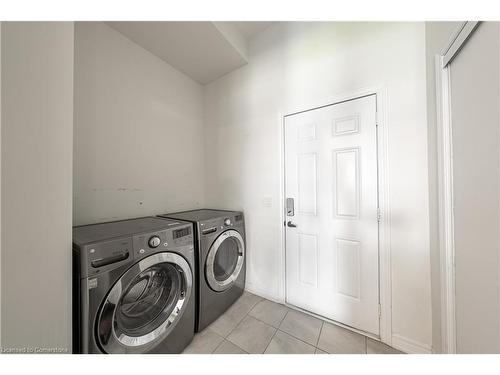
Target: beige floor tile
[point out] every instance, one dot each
(269, 312)
(376, 347)
(249, 326)
(302, 326)
(235, 314)
(228, 347)
(338, 340)
(283, 343)
(252, 335)
(204, 342)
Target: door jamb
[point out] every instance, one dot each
(445, 197)
(385, 281)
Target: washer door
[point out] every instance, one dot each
(225, 260)
(145, 304)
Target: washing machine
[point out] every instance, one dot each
(134, 286)
(220, 248)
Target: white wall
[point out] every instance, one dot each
(304, 63)
(139, 136)
(36, 184)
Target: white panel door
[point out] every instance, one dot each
(332, 237)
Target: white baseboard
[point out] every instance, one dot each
(410, 346)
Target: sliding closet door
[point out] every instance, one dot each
(476, 173)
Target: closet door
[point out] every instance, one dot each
(474, 77)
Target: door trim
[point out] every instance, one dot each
(445, 197)
(445, 183)
(385, 282)
(457, 41)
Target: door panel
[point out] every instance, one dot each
(331, 174)
(308, 259)
(306, 173)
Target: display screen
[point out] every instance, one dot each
(178, 233)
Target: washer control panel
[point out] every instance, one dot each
(165, 240)
(103, 256)
(100, 248)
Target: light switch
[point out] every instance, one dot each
(267, 202)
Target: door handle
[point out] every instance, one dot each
(290, 224)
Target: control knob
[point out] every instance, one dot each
(227, 222)
(154, 242)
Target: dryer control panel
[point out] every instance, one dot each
(221, 223)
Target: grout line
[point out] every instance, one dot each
(284, 316)
(295, 337)
(226, 337)
(269, 343)
(266, 323)
(217, 347)
(230, 343)
(278, 329)
(237, 325)
(256, 303)
(242, 319)
(320, 330)
(290, 334)
(246, 314)
(287, 333)
(238, 346)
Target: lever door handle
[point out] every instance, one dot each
(290, 224)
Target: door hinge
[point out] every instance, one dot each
(379, 215)
(379, 310)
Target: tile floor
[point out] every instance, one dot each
(255, 325)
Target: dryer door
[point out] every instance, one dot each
(225, 260)
(145, 304)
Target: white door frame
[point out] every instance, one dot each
(445, 183)
(385, 283)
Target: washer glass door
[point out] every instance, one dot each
(225, 260)
(145, 304)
